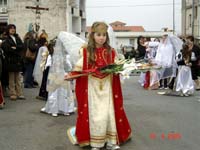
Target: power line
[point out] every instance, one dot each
(109, 6)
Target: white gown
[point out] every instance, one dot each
(184, 82)
(61, 99)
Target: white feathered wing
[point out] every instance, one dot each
(72, 45)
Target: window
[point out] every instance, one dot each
(3, 2)
(195, 12)
(190, 20)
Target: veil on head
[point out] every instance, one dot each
(66, 54)
(176, 43)
(165, 56)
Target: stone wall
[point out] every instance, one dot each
(52, 21)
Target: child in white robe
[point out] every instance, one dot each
(184, 83)
(60, 97)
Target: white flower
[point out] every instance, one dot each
(125, 74)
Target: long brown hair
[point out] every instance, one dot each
(51, 46)
(91, 42)
(186, 52)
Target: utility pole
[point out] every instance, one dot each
(37, 9)
(197, 17)
(173, 16)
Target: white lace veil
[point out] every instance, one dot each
(57, 68)
(176, 43)
(66, 53)
(166, 54)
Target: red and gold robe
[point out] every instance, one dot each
(102, 58)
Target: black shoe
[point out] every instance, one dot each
(35, 83)
(29, 86)
(1, 106)
(40, 98)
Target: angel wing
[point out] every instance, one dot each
(113, 44)
(72, 45)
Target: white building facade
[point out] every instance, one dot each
(62, 15)
(130, 38)
(128, 35)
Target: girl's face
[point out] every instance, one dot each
(100, 39)
(12, 31)
(190, 44)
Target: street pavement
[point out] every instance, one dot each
(158, 122)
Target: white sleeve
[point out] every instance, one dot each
(153, 44)
(49, 61)
(193, 57)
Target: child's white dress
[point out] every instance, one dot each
(60, 100)
(184, 82)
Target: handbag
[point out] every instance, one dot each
(30, 55)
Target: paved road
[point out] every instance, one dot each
(159, 122)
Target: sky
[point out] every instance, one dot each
(153, 15)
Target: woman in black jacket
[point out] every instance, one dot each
(141, 48)
(13, 48)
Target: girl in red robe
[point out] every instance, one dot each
(101, 117)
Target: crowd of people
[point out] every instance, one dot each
(25, 64)
(15, 66)
(179, 61)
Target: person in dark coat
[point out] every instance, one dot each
(31, 43)
(13, 47)
(194, 68)
(141, 48)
